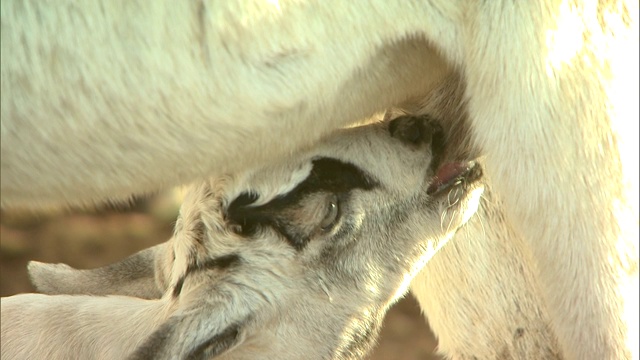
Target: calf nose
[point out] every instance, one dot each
(417, 130)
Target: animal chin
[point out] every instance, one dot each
(451, 174)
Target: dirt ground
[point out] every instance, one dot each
(94, 238)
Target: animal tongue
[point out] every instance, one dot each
(447, 173)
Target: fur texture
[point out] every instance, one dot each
(101, 100)
(297, 260)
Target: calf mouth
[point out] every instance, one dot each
(452, 174)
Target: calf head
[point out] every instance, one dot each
(338, 229)
(313, 248)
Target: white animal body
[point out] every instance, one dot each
(102, 100)
(296, 260)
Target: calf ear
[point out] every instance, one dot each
(195, 336)
(133, 276)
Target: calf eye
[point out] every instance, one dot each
(331, 213)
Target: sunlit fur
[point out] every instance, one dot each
(101, 100)
(215, 290)
(497, 271)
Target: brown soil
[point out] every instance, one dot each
(92, 239)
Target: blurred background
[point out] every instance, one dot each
(93, 238)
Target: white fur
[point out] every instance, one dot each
(102, 100)
(81, 326)
(494, 309)
(324, 300)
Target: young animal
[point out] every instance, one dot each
(101, 100)
(295, 260)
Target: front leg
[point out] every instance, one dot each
(480, 294)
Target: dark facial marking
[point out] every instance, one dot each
(237, 214)
(155, 343)
(217, 345)
(438, 144)
(414, 130)
(418, 130)
(220, 263)
(327, 175)
(161, 339)
(408, 129)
